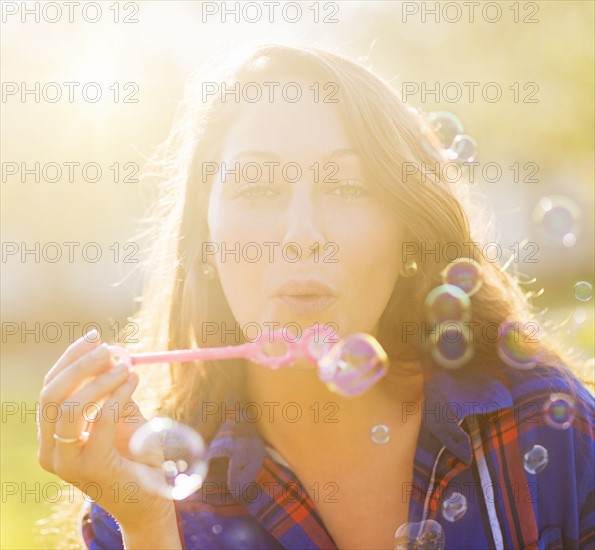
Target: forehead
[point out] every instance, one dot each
(301, 129)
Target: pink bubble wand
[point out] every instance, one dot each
(348, 367)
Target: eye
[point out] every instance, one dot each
(349, 190)
(254, 192)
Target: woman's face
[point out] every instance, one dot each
(334, 245)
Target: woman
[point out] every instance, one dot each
(300, 154)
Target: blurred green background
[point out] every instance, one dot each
(551, 45)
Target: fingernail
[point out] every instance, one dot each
(91, 336)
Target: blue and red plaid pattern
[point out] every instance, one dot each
(475, 431)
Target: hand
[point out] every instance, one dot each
(84, 375)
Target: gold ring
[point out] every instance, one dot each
(83, 437)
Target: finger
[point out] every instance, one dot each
(61, 397)
(72, 376)
(80, 406)
(73, 421)
(54, 393)
(112, 412)
(64, 384)
(83, 345)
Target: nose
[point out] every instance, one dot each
(304, 234)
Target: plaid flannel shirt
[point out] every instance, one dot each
(474, 434)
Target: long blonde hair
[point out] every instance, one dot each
(177, 299)
(387, 135)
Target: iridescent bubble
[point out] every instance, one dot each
(536, 459)
(244, 532)
(515, 347)
(446, 126)
(583, 291)
(464, 273)
(569, 240)
(413, 110)
(454, 507)
(579, 315)
(559, 411)
(462, 149)
(380, 434)
(217, 529)
(450, 346)
(353, 365)
(446, 303)
(422, 535)
(559, 218)
(178, 449)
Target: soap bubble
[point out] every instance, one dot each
(559, 411)
(515, 347)
(380, 434)
(446, 126)
(536, 459)
(462, 149)
(558, 216)
(178, 449)
(450, 346)
(243, 533)
(583, 291)
(353, 365)
(422, 535)
(579, 315)
(454, 507)
(448, 302)
(464, 273)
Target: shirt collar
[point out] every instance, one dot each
(238, 440)
(450, 396)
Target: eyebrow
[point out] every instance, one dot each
(268, 155)
(265, 155)
(338, 153)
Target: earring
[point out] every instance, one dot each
(208, 272)
(410, 268)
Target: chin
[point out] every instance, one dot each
(302, 364)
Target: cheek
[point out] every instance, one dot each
(219, 221)
(371, 267)
(225, 229)
(230, 223)
(228, 234)
(370, 243)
